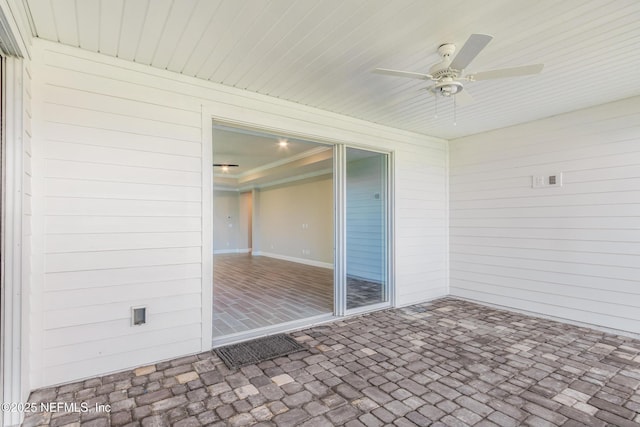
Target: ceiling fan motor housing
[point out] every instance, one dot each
(443, 74)
(446, 50)
(447, 87)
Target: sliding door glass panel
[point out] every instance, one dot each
(366, 228)
(272, 232)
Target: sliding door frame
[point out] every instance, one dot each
(14, 291)
(211, 119)
(340, 228)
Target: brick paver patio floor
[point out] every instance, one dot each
(445, 363)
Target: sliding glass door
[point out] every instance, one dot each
(366, 228)
(362, 233)
(273, 234)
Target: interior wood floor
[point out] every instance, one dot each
(251, 292)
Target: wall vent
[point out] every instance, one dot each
(138, 316)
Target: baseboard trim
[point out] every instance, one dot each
(231, 251)
(305, 261)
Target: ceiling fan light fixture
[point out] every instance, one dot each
(446, 89)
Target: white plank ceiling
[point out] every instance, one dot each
(321, 52)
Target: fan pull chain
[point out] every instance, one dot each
(455, 119)
(435, 99)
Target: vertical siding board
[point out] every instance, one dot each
(27, 212)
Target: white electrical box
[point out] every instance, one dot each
(545, 181)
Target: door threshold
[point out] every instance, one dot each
(368, 309)
(293, 325)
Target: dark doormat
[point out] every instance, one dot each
(258, 350)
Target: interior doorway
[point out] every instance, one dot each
(301, 232)
(272, 232)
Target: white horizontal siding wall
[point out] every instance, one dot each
(121, 217)
(365, 219)
(571, 252)
(421, 246)
(118, 213)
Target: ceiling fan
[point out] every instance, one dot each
(225, 166)
(448, 75)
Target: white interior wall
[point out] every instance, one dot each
(570, 252)
(117, 213)
(245, 219)
(295, 221)
(229, 222)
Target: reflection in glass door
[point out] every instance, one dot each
(366, 225)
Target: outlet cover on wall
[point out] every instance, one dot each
(544, 181)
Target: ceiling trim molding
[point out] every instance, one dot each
(14, 38)
(277, 163)
(309, 175)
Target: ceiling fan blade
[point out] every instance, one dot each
(464, 98)
(504, 73)
(472, 47)
(430, 89)
(398, 73)
(229, 165)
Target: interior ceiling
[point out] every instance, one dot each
(262, 160)
(251, 151)
(321, 53)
